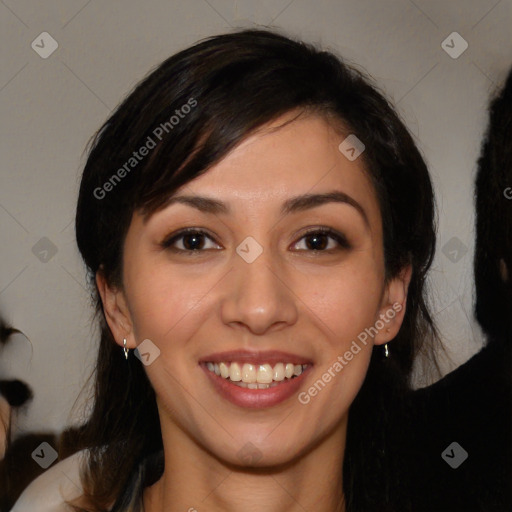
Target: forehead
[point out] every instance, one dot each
(288, 157)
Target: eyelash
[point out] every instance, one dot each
(338, 237)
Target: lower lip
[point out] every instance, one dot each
(256, 398)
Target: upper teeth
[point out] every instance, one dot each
(256, 373)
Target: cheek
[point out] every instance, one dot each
(335, 385)
(167, 303)
(346, 302)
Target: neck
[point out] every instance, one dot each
(194, 480)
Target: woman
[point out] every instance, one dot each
(257, 223)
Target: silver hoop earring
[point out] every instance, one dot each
(126, 350)
(386, 351)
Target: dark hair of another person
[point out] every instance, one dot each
(493, 194)
(15, 471)
(240, 82)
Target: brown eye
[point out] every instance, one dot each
(317, 239)
(191, 240)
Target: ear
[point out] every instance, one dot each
(392, 311)
(116, 311)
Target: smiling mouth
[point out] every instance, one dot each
(256, 376)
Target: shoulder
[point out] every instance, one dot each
(50, 491)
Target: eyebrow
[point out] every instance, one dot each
(292, 205)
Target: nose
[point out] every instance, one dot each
(259, 296)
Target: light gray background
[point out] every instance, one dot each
(49, 109)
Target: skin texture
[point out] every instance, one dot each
(291, 298)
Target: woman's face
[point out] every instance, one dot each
(259, 289)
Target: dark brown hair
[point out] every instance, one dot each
(493, 201)
(241, 81)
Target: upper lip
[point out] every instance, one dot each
(255, 357)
